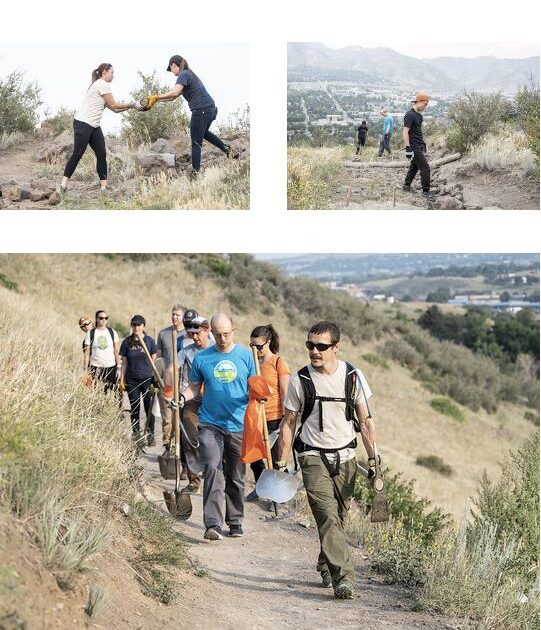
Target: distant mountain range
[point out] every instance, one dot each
(369, 266)
(447, 75)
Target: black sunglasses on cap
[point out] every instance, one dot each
(84, 324)
(321, 347)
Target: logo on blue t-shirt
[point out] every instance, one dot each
(225, 371)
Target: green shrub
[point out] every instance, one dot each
(19, 103)
(472, 116)
(435, 463)
(122, 329)
(528, 115)
(164, 120)
(447, 408)
(59, 122)
(531, 417)
(376, 360)
(239, 121)
(417, 516)
(7, 283)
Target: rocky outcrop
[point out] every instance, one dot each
(13, 192)
(62, 145)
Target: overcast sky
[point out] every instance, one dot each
(445, 49)
(64, 70)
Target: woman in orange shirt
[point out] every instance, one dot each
(275, 371)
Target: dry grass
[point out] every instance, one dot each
(309, 172)
(9, 139)
(505, 151)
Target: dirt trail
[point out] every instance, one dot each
(381, 189)
(267, 579)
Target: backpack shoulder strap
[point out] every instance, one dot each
(112, 333)
(309, 392)
(92, 335)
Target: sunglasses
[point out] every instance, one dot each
(320, 347)
(259, 346)
(103, 317)
(84, 324)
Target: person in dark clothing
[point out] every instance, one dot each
(202, 106)
(362, 133)
(136, 374)
(412, 134)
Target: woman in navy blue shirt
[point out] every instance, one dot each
(201, 104)
(136, 374)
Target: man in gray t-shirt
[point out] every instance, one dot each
(165, 353)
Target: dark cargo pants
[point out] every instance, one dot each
(419, 163)
(223, 476)
(329, 514)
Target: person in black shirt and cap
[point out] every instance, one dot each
(361, 134)
(412, 134)
(201, 104)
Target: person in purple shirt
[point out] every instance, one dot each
(202, 107)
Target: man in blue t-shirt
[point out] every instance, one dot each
(223, 371)
(388, 128)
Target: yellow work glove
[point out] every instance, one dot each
(148, 102)
(122, 386)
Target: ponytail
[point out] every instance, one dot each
(268, 333)
(103, 67)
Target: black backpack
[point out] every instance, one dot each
(350, 391)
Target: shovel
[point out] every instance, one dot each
(178, 503)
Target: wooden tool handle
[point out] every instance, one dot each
(264, 415)
(154, 369)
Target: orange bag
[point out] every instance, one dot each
(253, 447)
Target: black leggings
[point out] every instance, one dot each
(200, 123)
(419, 163)
(136, 389)
(85, 135)
(107, 376)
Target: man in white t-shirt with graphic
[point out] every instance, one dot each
(331, 398)
(101, 346)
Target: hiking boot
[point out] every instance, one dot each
(326, 579)
(343, 590)
(407, 188)
(151, 440)
(62, 190)
(252, 497)
(232, 153)
(194, 175)
(213, 533)
(235, 531)
(429, 196)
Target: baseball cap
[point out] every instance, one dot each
(421, 96)
(174, 59)
(197, 323)
(189, 315)
(137, 320)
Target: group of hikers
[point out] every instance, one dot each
(317, 412)
(88, 133)
(412, 137)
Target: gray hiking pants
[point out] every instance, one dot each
(223, 476)
(384, 144)
(329, 513)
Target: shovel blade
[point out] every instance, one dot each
(277, 486)
(380, 509)
(179, 504)
(167, 465)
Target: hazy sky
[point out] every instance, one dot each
(447, 49)
(64, 70)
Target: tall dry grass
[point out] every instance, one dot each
(67, 462)
(504, 151)
(309, 173)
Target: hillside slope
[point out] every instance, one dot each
(407, 425)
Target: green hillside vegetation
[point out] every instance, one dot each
(50, 416)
